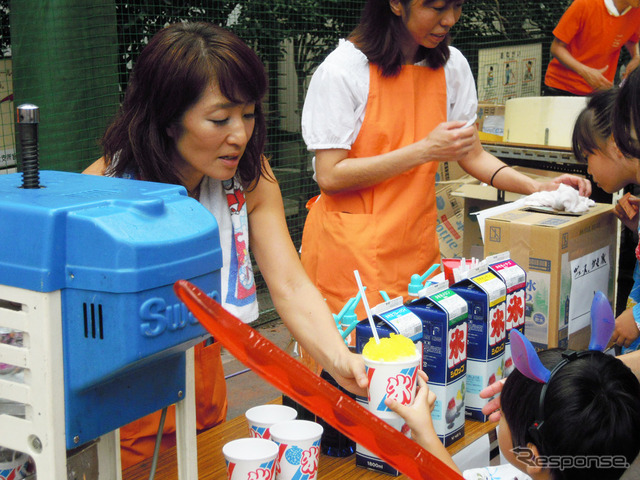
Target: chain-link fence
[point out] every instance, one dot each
(72, 59)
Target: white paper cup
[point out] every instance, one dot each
(299, 449)
(13, 465)
(395, 380)
(250, 459)
(262, 417)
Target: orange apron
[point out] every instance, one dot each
(137, 439)
(387, 232)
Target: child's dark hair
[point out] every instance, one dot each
(626, 116)
(591, 409)
(593, 125)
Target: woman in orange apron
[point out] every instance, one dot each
(381, 111)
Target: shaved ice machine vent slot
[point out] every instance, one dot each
(8, 305)
(93, 321)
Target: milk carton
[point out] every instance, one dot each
(389, 317)
(369, 460)
(515, 280)
(485, 295)
(444, 356)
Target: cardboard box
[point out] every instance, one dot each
(566, 258)
(490, 121)
(475, 197)
(449, 171)
(450, 219)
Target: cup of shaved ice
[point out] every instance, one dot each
(392, 367)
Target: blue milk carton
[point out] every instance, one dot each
(444, 356)
(485, 295)
(389, 317)
(515, 281)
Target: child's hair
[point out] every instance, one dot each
(593, 125)
(591, 411)
(626, 116)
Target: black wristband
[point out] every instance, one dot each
(495, 173)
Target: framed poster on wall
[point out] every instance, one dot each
(509, 72)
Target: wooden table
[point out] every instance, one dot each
(211, 464)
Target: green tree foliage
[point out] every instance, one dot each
(509, 19)
(139, 20)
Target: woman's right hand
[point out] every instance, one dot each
(350, 373)
(449, 142)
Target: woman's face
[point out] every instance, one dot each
(610, 169)
(212, 137)
(428, 21)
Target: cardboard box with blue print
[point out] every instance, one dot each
(450, 219)
(476, 196)
(449, 177)
(566, 259)
(490, 122)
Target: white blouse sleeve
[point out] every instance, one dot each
(336, 99)
(462, 98)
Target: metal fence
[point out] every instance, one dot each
(72, 59)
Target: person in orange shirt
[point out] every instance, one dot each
(381, 112)
(192, 116)
(587, 44)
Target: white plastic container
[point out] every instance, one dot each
(541, 120)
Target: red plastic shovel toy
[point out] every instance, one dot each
(312, 392)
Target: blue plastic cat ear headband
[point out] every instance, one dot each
(603, 322)
(526, 359)
(527, 362)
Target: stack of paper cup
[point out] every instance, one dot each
(262, 417)
(250, 459)
(299, 449)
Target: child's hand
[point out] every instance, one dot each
(418, 415)
(626, 330)
(626, 210)
(418, 418)
(492, 408)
